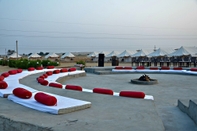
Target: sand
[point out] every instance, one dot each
(68, 64)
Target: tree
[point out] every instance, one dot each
(9, 52)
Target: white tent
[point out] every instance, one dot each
(67, 55)
(125, 53)
(93, 54)
(34, 55)
(180, 52)
(113, 53)
(125, 56)
(157, 53)
(140, 53)
(52, 55)
(14, 56)
(192, 50)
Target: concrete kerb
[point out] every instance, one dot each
(189, 107)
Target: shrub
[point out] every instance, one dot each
(4, 62)
(54, 63)
(81, 62)
(22, 64)
(45, 63)
(25, 63)
(12, 63)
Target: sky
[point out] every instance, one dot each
(96, 25)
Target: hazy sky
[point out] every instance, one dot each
(96, 25)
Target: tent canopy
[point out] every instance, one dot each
(125, 53)
(52, 55)
(93, 54)
(180, 52)
(68, 54)
(14, 55)
(34, 55)
(113, 53)
(140, 53)
(158, 53)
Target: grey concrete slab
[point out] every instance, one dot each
(169, 89)
(106, 113)
(113, 112)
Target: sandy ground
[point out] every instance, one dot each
(68, 64)
(5, 68)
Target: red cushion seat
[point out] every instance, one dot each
(56, 71)
(1, 78)
(45, 75)
(64, 70)
(134, 94)
(41, 77)
(56, 85)
(19, 70)
(74, 87)
(103, 91)
(22, 93)
(177, 68)
(165, 68)
(3, 85)
(49, 73)
(39, 68)
(31, 69)
(44, 82)
(128, 68)
(193, 69)
(50, 67)
(5, 74)
(72, 69)
(119, 67)
(153, 68)
(12, 72)
(140, 68)
(45, 99)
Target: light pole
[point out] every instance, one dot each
(17, 49)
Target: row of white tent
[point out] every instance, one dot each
(182, 51)
(169, 52)
(50, 55)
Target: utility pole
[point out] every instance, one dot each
(5, 52)
(17, 49)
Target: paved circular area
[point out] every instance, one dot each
(112, 112)
(169, 89)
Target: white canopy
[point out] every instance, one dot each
(125, 53)
(192, 50)
(113, 53)
(68, 54)
(34, 55)
(93, 54)
(52, 55)
(180, 52)
(14, 55)
(140, 53)
(157, 53)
